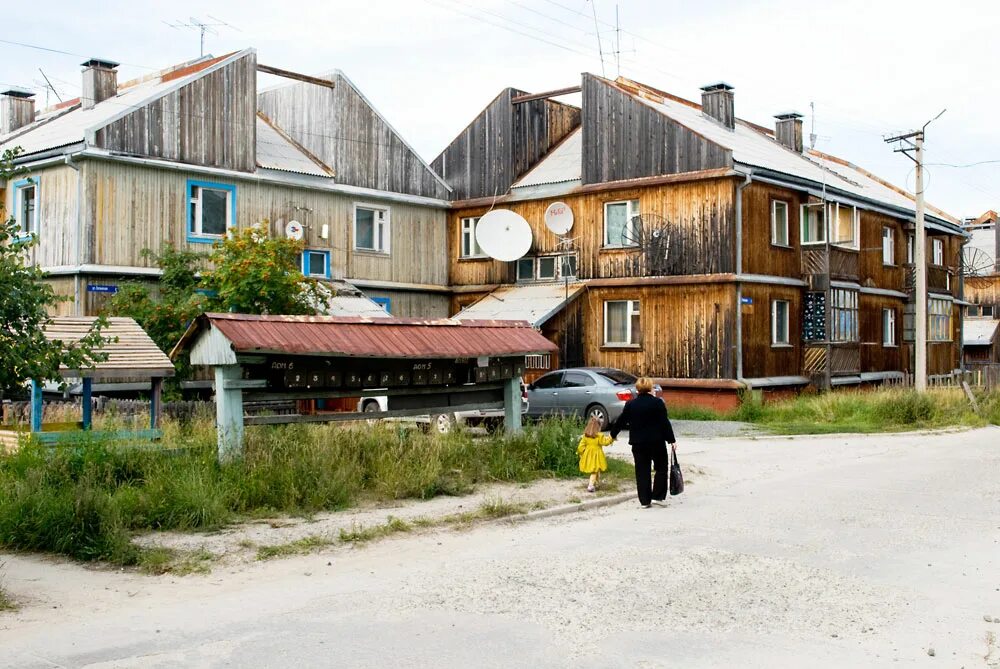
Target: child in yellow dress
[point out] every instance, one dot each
(591, 452)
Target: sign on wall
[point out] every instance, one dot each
(101, 288)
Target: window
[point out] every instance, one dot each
(888, 327)
(844, 228)
(619, 226)
(546, 268)
(779, 223)
(813, 224)
(844, 314)
(779, 323)
(568, 266)
(538, 361)
(470, 247)
(621, 323)
(888, 246)
(371, 228)
(316, 263)
(211, 211)
(526, 269)
(26, 207)
(972, 310)
(384, 302)
(937, 248)
(909, 248)
(548, 381)
(939, 320)
(988, 311)
(577, 380)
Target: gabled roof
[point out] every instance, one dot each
(130, 353)
(277, 151)
(563, 164)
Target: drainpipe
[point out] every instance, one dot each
(77, 238)
(739, 272)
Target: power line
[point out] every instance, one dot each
(65, 53)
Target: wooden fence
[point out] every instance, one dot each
(67, 411)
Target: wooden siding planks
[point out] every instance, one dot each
(760, 357)
(760, 254)
(875, 357)
(210, 121)
(625, 139)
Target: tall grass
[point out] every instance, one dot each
(88, 501)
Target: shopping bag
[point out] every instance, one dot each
(676, 477)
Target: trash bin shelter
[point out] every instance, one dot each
(423, 366)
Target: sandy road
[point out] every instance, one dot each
(819, 552)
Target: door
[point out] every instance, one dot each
(576, 393)
(543, 394)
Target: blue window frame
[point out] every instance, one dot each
(383, 302)
(26, 208)
(211, 210)
(316, 263)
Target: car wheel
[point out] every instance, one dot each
(442, 423)
(600, 413)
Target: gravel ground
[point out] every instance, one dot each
(714, 429)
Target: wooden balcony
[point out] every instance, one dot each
(937, 278)
(842, 359)
(839, 264)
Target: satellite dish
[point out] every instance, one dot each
(503, 235)
(559, 218)
(293, 230)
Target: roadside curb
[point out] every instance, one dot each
(565, 509)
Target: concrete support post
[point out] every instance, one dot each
(87, 401)
(37, 408)
(228, 412)
(512, 405)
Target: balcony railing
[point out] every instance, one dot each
(840, 264)
(937, 278)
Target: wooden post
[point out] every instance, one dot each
(155, 403)
(88, 387)
(36, 406)
(228, 412)
(512, 405)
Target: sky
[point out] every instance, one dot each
(857, 69)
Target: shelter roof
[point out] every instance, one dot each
(535, 303)
(131, 353)
(979, 331)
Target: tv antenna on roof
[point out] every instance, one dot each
(203, 27)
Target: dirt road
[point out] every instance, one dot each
(819, 552)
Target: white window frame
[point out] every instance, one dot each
(632, 308)
(26, 229)
(385, 224)
(469, 245)
(536, 261)
(888, 246)
(833, 219)
(888, 327)
(631, 211)
(806, 214)
(844, 301)
(937, 252)
(195, 231)
(938, 319)
(776, 340)
(775, 241)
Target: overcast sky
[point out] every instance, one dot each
(870, 66)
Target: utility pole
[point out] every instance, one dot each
(919, 251)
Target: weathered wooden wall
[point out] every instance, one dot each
(873, 272)
(413, 304)
(760, 358)
(134, 207)
(699, 214)
(341, 128)
(687, 331)
(984, 290)
(760, 256)
(210, 121)
(56, 202)
(502, 143)
(625, 139)
(874, 356)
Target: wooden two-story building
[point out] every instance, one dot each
(981, 325)
(181, 156)
(707, 251)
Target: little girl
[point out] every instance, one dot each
(591, 452)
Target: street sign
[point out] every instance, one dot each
(101, 288)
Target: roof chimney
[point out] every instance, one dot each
(100, 81)
(717, 102)
(788, 130)
(17, 109)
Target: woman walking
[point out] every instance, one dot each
(649, 432)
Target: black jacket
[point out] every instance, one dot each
(645, 418)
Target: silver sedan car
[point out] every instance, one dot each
(583, 391)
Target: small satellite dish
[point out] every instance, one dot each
(294, 230)
(503, 235)
(559, 218)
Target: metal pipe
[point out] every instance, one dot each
(739, 271)
(77, 241)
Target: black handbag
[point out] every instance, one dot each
(676, 477)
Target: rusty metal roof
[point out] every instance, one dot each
(363, 337)
(131, 353)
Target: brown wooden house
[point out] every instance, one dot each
(709, 252)
(981, 265)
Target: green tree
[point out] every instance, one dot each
(25, 303)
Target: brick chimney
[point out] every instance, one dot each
(100, 81)
(717, 102)
(788, 130)
(17, 109)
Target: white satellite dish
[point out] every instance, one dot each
(503, 235)
(293, 230)
(559, 218)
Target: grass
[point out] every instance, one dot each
(161, 560)
(297, 547)
(88, 501)
(359, 534)
(7, 603)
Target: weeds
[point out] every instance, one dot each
(161, 560)
(496, 507)
(359, 534)
(297, 547)
(7, 603)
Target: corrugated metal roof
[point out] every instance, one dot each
(563, 163)
(979, 331)
(534, 303)
(355, 305)
(369, 337)
(131, 353)
(276, 152)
